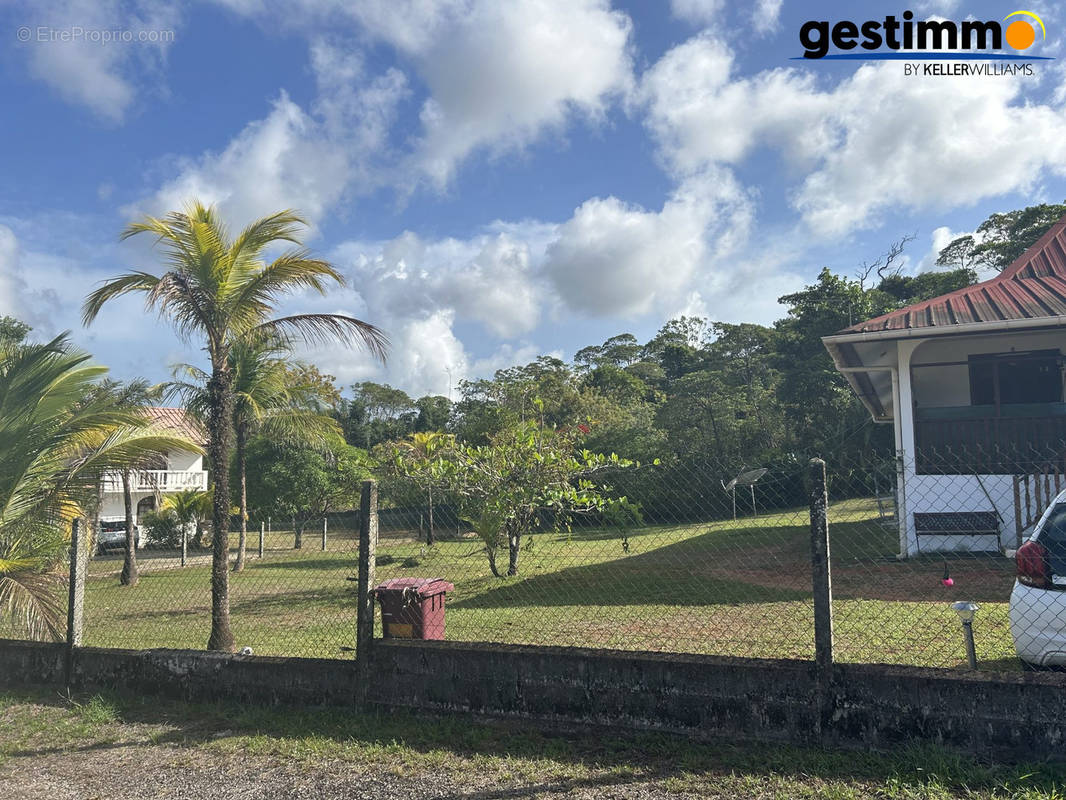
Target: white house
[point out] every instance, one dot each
(174, 470)
(972, 382)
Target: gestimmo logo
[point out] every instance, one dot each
(899, 38)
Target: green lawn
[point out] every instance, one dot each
(87, 745)
(735, 588)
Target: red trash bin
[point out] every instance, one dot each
(413, 608)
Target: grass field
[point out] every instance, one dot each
(735, 588)
(120, 746)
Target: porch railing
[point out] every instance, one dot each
(157, 480)
(988, 445)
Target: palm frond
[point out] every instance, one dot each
(115, 287)
(324, 328)
(282, 226)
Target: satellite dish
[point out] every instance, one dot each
(747, 478)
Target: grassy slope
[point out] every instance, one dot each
(738, 588)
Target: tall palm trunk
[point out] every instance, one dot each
(130, 575)
(242, 445)
(220, 439)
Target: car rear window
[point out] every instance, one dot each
(111, 527)
(1053, 537)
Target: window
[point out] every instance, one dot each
(1012, 378)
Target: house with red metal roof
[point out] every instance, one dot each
(171, 472)
(972, 383)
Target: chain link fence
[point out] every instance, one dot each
(716, 561)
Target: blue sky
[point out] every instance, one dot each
(497, 180)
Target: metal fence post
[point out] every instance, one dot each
(184, 544)
(823, 591)
(325, 526)
(262, 533)
(368, 542)
(79, 563)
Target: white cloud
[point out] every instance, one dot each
(499, 75)
(612, 258)
(944, 143)
(34, 304)
(876, 140)
(698, 12)
(420, 290)
(9, 258)
(487, 279)
(766, 15)
(277, 162)
(293, 158)
(701, 115)
(78, 48)
(942, 7)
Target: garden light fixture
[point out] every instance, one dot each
(966, 611)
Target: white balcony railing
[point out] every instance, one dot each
(157, 480)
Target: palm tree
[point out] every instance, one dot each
(134, 395)
(60, 432)
(269, 397)
(222, 290)
(190, 507)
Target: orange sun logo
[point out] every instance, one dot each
(1020, 34)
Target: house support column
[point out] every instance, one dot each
(905, 441)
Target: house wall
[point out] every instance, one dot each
(114, 507)
(947, 493)
(183, 460)
(946, 386)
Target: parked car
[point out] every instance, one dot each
(1038, 602)
(112, 535)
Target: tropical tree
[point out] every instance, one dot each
(526, 469)
(1001, 238)
(60, 432)
(189, 507)
(272, 395)
(415, 458)
(223, 291)
(304, 483)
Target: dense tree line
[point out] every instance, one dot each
(702, 398)
(699, 389)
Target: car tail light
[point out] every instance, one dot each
(1031, 559)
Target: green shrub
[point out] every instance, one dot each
(162, 529)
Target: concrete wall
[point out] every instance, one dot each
(999, 715)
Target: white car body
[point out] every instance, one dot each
(112, 535)
(1038, 615)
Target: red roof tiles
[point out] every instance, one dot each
(1034, 286)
